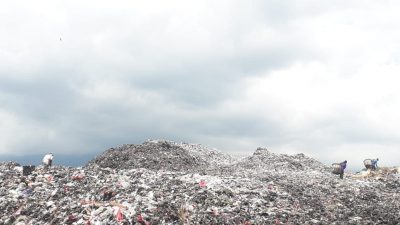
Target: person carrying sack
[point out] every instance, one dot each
(338, 168)
(371, 164)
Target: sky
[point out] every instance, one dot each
(316, 77)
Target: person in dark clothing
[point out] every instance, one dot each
(374, 163)
(342, 168)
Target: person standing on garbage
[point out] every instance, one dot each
(342, 167)
(48, 160)
(374, 163)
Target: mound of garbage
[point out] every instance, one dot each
(152, 155)
(381, 173)
(211, 156)
(123, 186)
(271, 161)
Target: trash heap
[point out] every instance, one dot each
(270, 161)
(211, 156)
(131, 185)
(384, 174)
(152, 155)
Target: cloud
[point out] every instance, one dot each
(318, 114)
(296, 76)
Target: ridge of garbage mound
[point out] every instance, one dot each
(211, 155)
(154, 155)
(173, 156)
(9, 164)
(262, 159)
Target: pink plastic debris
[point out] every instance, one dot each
(72, 218)
(78, 177)
(202, 183)
(140, 218)
(120, 216)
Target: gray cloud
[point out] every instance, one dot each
(232, 75)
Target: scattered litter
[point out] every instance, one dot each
(162, 182)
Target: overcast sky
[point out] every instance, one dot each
(317, 77)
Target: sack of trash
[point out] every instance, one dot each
(27, 170)
(336, 168)
(367, 162)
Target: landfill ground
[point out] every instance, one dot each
(162, 182)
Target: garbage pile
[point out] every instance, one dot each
(382, 173)
(211, 156)
(265, 188)
(152, 155)
(270, 161)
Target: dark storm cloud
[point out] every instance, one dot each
(208, 81)
(43, 100)
(129, 71)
